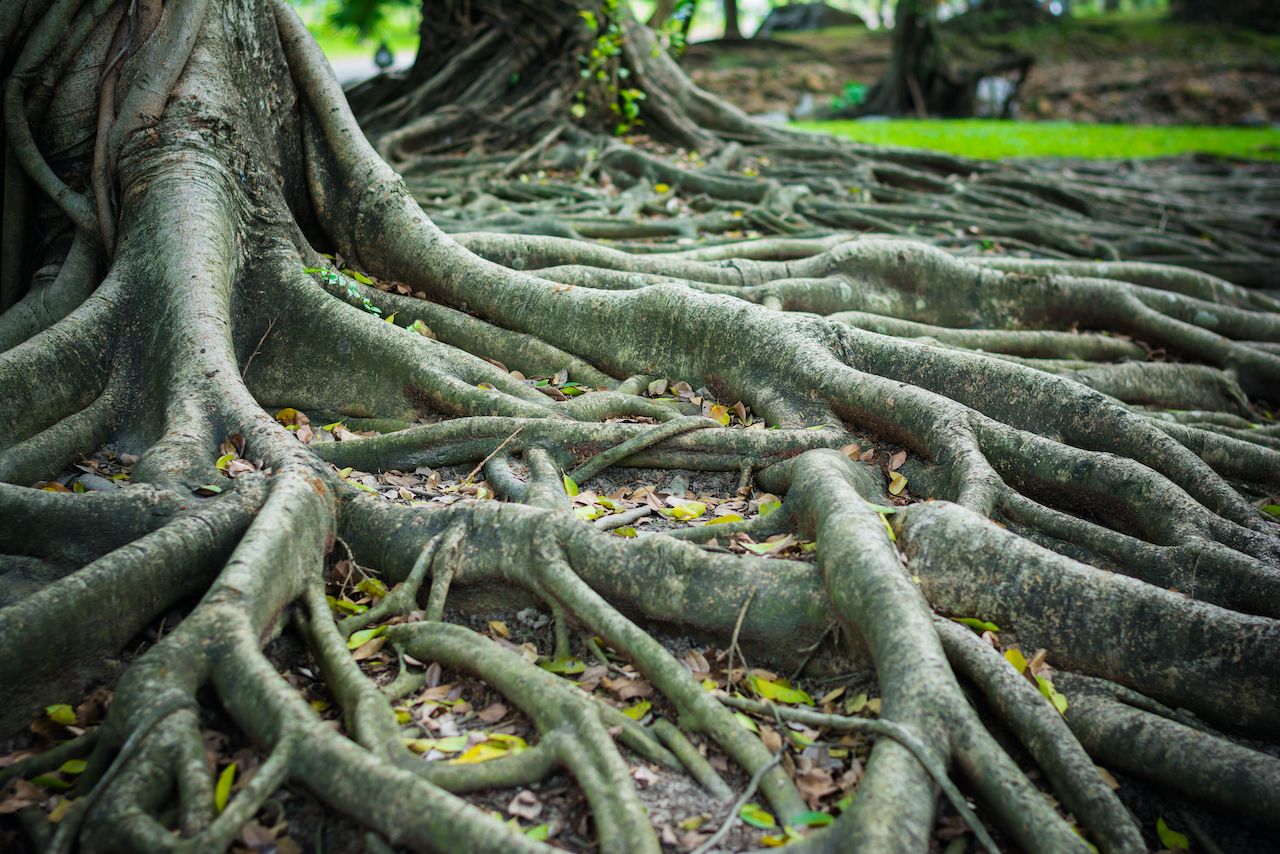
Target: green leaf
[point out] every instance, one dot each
(779, 691)
(1171, 838)
(1271, 509)
(223, 460)
(538, 832)
(48, 781)
(73, 766)
(637, 711)
(745, 720)
(624, 531)
(373, 587)
(769, 506)
(764, 548)
(882, 509)
(564, 665)
(569, 486)
(1051, 694)
(587, 514)
(977, 625)
(61, 714)
(208, 489)
(347, 605)
(222, 791)
(757, 816)
(811, 819)
(362, 637)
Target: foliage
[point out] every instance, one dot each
(602, 69)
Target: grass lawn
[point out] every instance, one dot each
(400, 29)
(988, 139)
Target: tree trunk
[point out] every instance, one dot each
(731, 28)
(969, 422)
(917, 81)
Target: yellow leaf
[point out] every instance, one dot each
(720, 413)
(499, 628)
(222, 791)
(59, 812)
(569, 486)
(61, 714)
(1014, 656)
(482, 752)
(223, 460)
(780, 692)
(637, 711)
(726, 518)
(661, 188)
(287, 416)
(897, 483)
(688, 510)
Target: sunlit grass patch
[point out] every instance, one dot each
(990, 139)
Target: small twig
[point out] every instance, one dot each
(618, 520)
(492, 454)
(733, 643)
(727, 825)
(258, 349)
(917, 97)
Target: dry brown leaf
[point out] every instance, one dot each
(20, 795)
(525, 805)
(369, 649)
(492, 713)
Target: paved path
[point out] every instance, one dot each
(352, 69)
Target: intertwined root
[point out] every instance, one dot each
(1066, 494)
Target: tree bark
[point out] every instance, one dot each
(731, 28)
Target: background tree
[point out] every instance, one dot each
(171, 178)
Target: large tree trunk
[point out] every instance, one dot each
(918, 80)
(732, 30)
(958, 432)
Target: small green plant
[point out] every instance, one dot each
(601, 68)
(333, 277)
(853, 95)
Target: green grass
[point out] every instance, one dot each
(990, 140)
(400, 30)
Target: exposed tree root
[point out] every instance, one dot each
(1050, 494)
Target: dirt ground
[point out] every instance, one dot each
(1097, 70)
